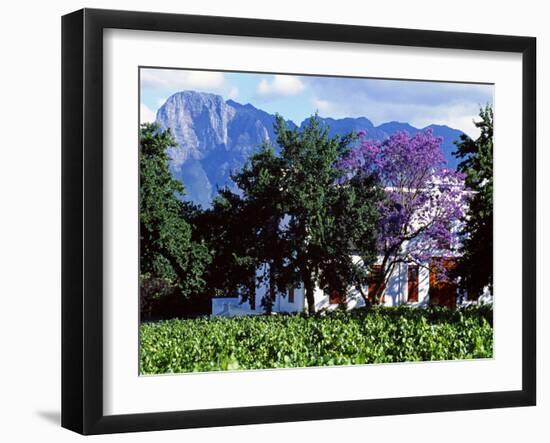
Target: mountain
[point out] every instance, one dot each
(346, 125)
(449, 135)
(215, 137)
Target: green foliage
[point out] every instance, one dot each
(329, 222)
(475, 267)
(296, 218)
(384, 335)
(170, 260)
(228, 229)
(243, 232)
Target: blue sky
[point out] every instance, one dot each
(298, 97)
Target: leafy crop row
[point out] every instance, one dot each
(383, 335)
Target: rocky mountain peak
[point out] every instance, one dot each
(216, 137)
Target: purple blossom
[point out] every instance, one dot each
(424, 202)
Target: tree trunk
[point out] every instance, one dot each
(268, 299)
(309, 292)
(380, 284)
(272, 288)
(364, 296)
(252, 293)
(377, 293)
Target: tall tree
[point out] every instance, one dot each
(475, 267)
(423, 201)
(169, 257)
(229, 228)
(309, 224)
(261, 181)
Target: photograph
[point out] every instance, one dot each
(295, 220)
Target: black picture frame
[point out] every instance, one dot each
(82, 218)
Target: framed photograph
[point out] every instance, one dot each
(268, 221)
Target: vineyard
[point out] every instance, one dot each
(383, 335)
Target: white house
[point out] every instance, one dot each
(407, 284)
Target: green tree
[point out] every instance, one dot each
(352, 236)
(243, 231)
(170, 260)
(262, 180)
(475, 267)
(308, 225)
(227, 227)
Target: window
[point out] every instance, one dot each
(335, 297)
(412, 296)
(443, 291)
(375, 278)
(291, 294)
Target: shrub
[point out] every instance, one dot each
(384, 335)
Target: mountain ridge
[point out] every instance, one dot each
(216, 137)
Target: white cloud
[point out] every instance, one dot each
(458, 115)
(233, 93)
(280, 85)
(324, 107)
(455, 114)
(180, 79)
(146, 115)
(417, 103)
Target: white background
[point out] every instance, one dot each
(30, 221)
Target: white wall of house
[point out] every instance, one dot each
(396, 293)
(282, 303)
(234, 306)
(397, 288)
(231, 307)
(322, 300)
(423, 285)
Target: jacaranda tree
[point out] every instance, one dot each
(423, 202)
